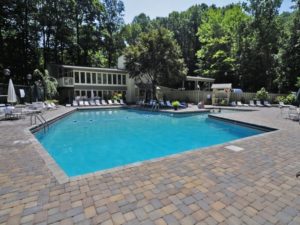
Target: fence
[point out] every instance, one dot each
(205, 96)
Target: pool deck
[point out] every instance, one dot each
(215, 185)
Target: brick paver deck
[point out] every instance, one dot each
(211, 186)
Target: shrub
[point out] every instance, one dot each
(289, 99)
(262, 94)
(175, 104)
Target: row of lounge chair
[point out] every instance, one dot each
(159, 104)
(97, 102)
(252, 104)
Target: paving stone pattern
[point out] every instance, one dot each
(207, 187)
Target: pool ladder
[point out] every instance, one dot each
(43, 122)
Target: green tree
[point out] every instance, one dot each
(219, 39)
(259, 45)
(156, 58)
(111, 22)
(291, 52)
(49, 83)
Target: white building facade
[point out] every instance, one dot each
(87, 82)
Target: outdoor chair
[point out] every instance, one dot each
(258, 103)
(92, 103)
(103, 102)
(251, 103)
(122, 102)
(110, 102)
(168, 103)
(75, 104)
(97, 102)
(116, 102)
(86, 103)
(266, 103)
(233, 103)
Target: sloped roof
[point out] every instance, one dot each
(221, 86)
(198, 78)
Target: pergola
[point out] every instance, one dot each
(199, 79)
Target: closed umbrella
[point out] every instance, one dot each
(11, 95)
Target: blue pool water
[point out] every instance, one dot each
(88, 141)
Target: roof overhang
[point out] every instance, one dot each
(198, 78)
(221, 86)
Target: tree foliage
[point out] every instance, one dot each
(155, 58)
(219, 38)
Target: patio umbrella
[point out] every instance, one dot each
(11, 95)
(92, 94)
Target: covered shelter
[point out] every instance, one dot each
(197, 80)
(221, 93)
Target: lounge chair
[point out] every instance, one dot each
(86, 103)
(110, 102)
(12, 113)
(97, 102)
(251, 103)
(116, 102)
(258, 103)
(282, 105)
(103, 102)
(81, 103)
(122, 102)
(266, 103)
(75, 104)
(233, 103)
(162, 103)
(182, 105)
(92, 103)
(168, 103)
(239, 103)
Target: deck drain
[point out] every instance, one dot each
(234, 148)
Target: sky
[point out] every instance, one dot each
(161, 8)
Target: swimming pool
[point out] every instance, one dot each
(91, 140)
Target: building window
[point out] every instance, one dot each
(82, 77)
(119, 79)
(89, 94)
(95, 93)
(83, 93)
(88, 78)
(114, 79)
(94, 78)
(100, 94)
(109, 78)
(77, 93)
(124, 79)
(99, 78)
(104, 79)
(123, 94)
(77, 77)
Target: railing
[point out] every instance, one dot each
(41, 119)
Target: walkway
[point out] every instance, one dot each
(211, 186)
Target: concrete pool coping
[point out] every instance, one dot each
(63, 178)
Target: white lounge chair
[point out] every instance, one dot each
(233, 103)
(258, 103)
(75, 104)
(109, 102)
(86, 103)
(81, 103)
(97, 102)
(122, 102)
(116, 102)
(266, 103)
(282, 105)
(103, 102)
(168, 103)
(251, 103)
(92, 103)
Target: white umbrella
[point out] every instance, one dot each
(11, 95)
(92, 94)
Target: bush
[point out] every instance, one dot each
(175, 104)
(262, 94)
(289, 99)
